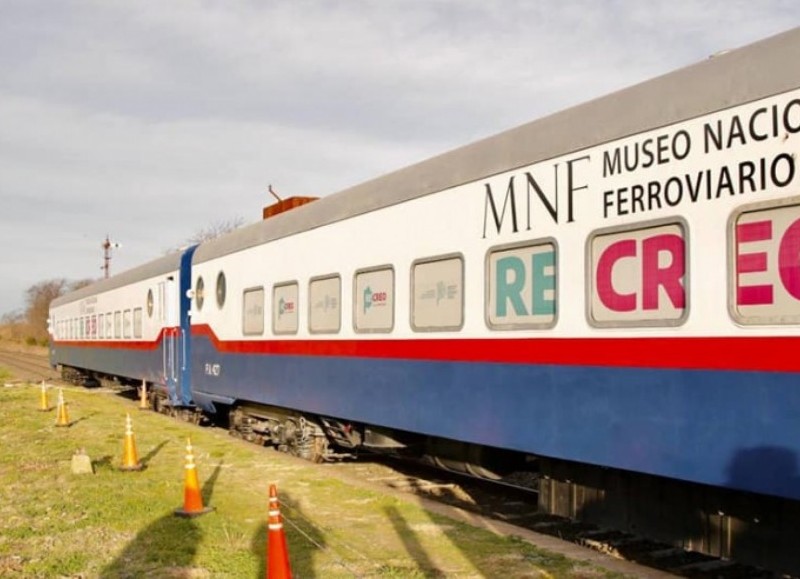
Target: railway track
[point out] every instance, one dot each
(513, 505)
(518, 507)
(27, 366)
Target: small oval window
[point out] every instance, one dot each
(199, 292)
(150, 303)
(221, 289)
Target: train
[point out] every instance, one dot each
(607, 297)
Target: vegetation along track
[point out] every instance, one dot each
(518, 507)
(514, 506)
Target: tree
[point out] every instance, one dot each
(215, 229)
(12, 325)
(37, 303)
(211, 231)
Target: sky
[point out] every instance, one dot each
(149, 121)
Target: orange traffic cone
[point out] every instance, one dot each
(192, 499)
(62, 417)
(277, 553)
(130, 458)
(44, 405)
(143, 405)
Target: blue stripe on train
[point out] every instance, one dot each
(735, 429)
(139, 364)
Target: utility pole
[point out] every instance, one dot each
(107, 246)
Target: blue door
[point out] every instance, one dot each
(184, 370)
(176, 355)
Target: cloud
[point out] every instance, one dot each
(148, 121)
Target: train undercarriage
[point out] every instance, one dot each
(754, 529)
(724, 523)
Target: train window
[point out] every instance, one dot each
(521, 286)
(137, 323)
(117, 324)
(325, 305)
(638, 275)
(109, 325)
(93, 327)
(437, 294)
(150, 303)
(763, 278)
(373, 300)
(284, 308)
(253, 311)
(101, 326)
(199, 293)
(162, 301)
(126, 324)
(221, 289)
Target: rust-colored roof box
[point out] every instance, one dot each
(286, 205)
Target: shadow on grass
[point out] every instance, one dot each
(302, 538)
(413, 547)
(73, 423)
(165, 548)
(153, 452)
(102, 463)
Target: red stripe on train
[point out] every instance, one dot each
(714, 353)
(776, 354)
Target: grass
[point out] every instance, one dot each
(109, 524)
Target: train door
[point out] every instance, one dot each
(176, 354)
(169, 354)
(185, 328)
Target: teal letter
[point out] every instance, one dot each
(510, 291)
(542, 282)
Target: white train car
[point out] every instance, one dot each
(127, 327)
(609, 295)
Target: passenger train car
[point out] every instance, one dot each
(608, 296)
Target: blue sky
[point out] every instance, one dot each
(149, 121)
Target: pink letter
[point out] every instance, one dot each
(752, 295)
(605, 288)
(788, 259)
(669, 277)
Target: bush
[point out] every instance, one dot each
(30, 341)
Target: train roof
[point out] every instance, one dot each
(734, 77)
(160, 266)
(728, 79)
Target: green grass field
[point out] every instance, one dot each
(54, 523)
